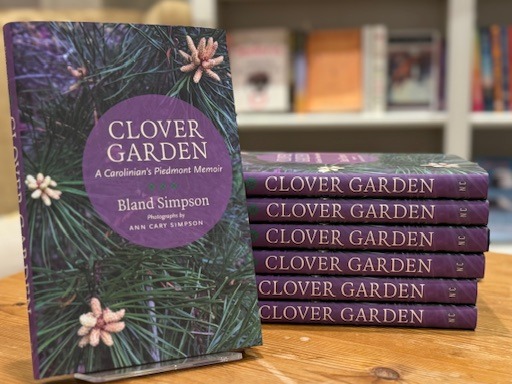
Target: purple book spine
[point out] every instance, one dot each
(467, 266)
(414, 290)
(380, 314)
(371, 237)
(459, 212)
(456, 186)
(16, 130)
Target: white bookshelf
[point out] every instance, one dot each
(293, 121)
(461, 130)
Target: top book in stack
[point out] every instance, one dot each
(363, 175)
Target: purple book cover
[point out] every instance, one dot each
(377, 314)
(371, 237)
(459, 212)
(353, 288)
(131, 195)
(363, 175)
(440, 265)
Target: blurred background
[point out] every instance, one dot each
(333, 75)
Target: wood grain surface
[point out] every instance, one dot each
(325, 354)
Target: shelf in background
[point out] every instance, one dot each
(409, 119)
(491, 119)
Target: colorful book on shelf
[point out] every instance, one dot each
(363, 175)
(131, 195)
(334, 70)
(414, 264)
(413, 69)
(374, 289)
(486, 68)
(509, 63)
(260, 65)
(421, 238)
(363, 313)
(388, 211)
(497, 70)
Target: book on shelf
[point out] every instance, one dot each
(374, 41)
(260, 67)
(388, 211)
(362, 175)
(334, 70)
(486, 66)
(421, 238)
(497, 68)
(346, 263)
(413, 69)
(505, 76)
(374, 289)
(131, 195)
(477, 97)
(300, 71)
(365, 313)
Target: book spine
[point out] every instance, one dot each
(375, 289)
(496, 54)
(460, 212)
(378, 314)
(380, 53)
(476, 86)
(455, 186)
(505, 67)
(487, 73)
(371, 237)
(20, 176)
(466, 266)
(509, 53)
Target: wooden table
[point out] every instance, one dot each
(327, 354)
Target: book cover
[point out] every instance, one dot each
(414, 264)
(387, 211)
(376, 314)
(413, 69)
(334, 70)
(374, 289)
(300, 71)
(421, 238)
(260, 65)
(135, 231)
(363, 175)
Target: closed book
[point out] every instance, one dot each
(388, 211)
(487, 68)
(497, 68)
(260, 64)
(477, 98)
(346, 263)
(363, 175)
(129, 183)
(371, 237)
(375, 289)
(505, 63)
(334, 70)
(376, 314)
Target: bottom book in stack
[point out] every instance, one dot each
(434, 290)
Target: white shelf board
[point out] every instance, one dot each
(491, 119)
(405, 120)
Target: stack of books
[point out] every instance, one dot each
(367, 239)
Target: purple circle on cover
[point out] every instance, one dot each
(157, 171)
(318, 157)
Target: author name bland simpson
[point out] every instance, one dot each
(161, 202)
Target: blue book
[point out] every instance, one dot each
(486, 68)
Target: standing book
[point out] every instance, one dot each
(135, 232)
(363, 175)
